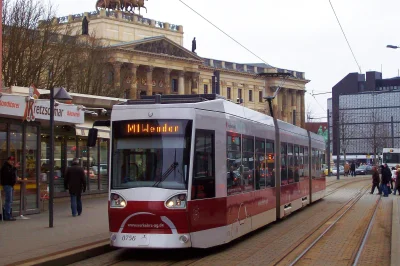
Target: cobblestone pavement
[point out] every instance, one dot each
(26, 239)
(340, 244)
(262, 247)
(377, 249)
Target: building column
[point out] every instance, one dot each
(188, 80)
(195, 83)
(133, 91)
(300, 113)
(181, 83)
(117, 75)
(167, 81)
(150, 80)
(284, 94)
(302, 104)
(294, 108)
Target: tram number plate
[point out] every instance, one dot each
(140, 240)
(128, 238)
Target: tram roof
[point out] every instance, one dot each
(216, 103)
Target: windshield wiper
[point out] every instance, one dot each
(172, 168)
(167, 173)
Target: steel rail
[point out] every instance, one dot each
(367, 233)
(355, 199)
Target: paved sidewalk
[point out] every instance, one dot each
(26, 239)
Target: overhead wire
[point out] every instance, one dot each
(283, 81)
(223, 32)
(344, 34)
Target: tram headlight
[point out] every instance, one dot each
(176, 202)
(117, 201)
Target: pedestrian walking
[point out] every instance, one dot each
(8, 179)
(346, 169)
(393, 179)
(75, 183)
(375, 181)
(386, 176)
(397, 181)
(353, 169)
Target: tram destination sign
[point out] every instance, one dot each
(148, 128)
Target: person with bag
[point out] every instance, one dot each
(397, 181)
(375, 181)
(8, 179)
(386, 177)
(75, 183)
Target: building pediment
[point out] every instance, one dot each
(159, 46)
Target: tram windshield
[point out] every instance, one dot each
(151, 153)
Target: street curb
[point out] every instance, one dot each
(395, 251)
(69, 256)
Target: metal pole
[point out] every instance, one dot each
(51, 181)
(329, 146)
(392, 131)
(338, 153)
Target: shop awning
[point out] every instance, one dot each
(83, 130)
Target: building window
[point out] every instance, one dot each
(260, 96)
(228, 93)
(205, 89)
(250, 95)
(240, 93)
(110, 78)
(174, 85)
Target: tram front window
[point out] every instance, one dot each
(151, 159)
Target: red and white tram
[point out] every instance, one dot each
(199, 171)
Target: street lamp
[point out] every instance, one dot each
(392, 46)
(55, 94)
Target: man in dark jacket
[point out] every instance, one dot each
(386, 176)
(8, 180)
(353, 169)
(75, 182)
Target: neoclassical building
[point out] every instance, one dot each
(148, 58)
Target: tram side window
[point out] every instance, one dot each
(301, 163)
(321, 163)
(247, 170)
(260, 165)
(204, 169)
(290, 163)
(284, 164)
(270, 173)
(296, 164)
(306, 164)
(314, 163)
(233, 163)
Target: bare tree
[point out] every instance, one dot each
(310, 114)
(377, 134)
(347, 130)
(35, 50)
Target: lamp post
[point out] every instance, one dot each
(55, 94)
(392, 46)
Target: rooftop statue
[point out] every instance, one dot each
(121, 5)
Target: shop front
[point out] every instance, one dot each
(24, 125)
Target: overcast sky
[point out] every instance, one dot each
(296, 35)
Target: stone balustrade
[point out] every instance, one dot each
(249, 68)
(117, 15)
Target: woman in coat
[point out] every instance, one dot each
(397, 183)
(375, 181)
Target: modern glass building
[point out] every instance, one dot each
(365, 114)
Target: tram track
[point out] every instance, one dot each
(311, 241)
(202, 257)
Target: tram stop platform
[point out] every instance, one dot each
(72, 239)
